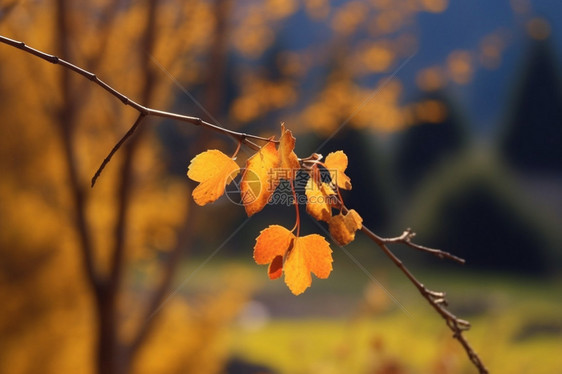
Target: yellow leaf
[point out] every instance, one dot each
(257, 184)
(336, 163)
(213, 170)
(271, 246)
(272, 242)
(343, 227)
(297, 257)
(309, 253)
(289, 159)
(318, 200)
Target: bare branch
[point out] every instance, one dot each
(406, 239)
(146, 111)
(116, 147)
(436, 299)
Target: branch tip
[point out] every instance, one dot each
(435, 299)
(116, 148)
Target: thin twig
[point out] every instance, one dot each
(436, 299)
(146, 111)
(406, 239)
(116, 147)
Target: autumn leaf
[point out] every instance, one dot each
(318, 200)
(320, 197)
(310, 253)
(297, 257)
(213, 170)
(272, 242)
(289, 159)
(343, 226)
(336, 163)
(257, 184)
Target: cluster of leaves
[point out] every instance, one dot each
(284, 250)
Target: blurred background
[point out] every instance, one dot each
(450, 113)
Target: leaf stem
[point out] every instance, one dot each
(296, 203)
(116, 147)
(236, 151)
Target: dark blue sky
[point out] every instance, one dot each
(462, 26)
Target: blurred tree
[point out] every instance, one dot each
(472, 206)
(533, 132)
(67, 250)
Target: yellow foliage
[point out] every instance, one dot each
(538, 28)
(296, 256)
(378, 57)
(260, 96)
(317, 9)
(48, 322)
(309, 254)
(254, 32)
(343, 226)
(491, 48)
(432, 111)
(342, 101)
(317, 197)
(434, 6)
(387, 22)
(257, 184)
(280, 8)
(430, 79)
(291, 64)
(336, 163)
(288, 158)
(460, 66)
(348, 17)
(214, 170)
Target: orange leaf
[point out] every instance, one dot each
(289, 159)
(343, 227)
(257, 184)
(310, 253)
(336, 163)
(213, 170)
(272, 242)
(296, 256)
(275, 268)
(320, 197)
(318, 200)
